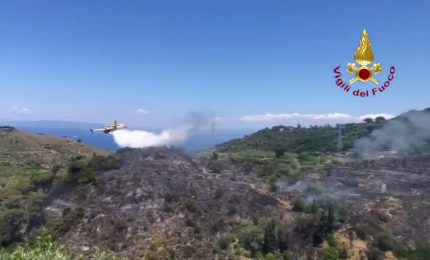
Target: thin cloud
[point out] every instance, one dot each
(142, 111)
(19, 110)
(309, 118)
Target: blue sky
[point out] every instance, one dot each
(96, 61)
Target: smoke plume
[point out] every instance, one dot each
(142, 139)
(403, 134)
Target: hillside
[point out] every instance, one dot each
(298, 139)
(30, 165)
(21, 150)
(332, 139)
(387, 205)
(160, 203)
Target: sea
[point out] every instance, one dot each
(198, 141)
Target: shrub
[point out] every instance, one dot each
(103, 163)
(270, 239)
(37, 197)
(24, 185)
(158, 242)
(330, 253)
(11, 201)
(219, 193)
(279, 152)
(342, 214)
(224, 242)
(262, 237)
(385, 241)
(191, 206)
(362, 232)
(218, 225)
(172, 196)
(343, 251)
(331, 241)
(42, 177)
(70, 217)
(77, 165)
(81, 173)
(375, 254)
(56, 168)
(10, 222)
(286, 255)
(299, 204)
(251, 238)
(422, 251)
(402, 252)
(270, 256)
(88, 176)
(43, 247)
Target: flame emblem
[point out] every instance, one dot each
(364, 56)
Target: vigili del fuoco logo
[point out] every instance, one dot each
(365, 72)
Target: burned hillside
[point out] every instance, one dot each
(388, 196)
(160, 202)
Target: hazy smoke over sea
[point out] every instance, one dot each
(142, 139)
(410, 131)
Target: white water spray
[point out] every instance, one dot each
(142, 139)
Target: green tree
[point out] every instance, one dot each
(270, 240)
(279, 152)
(330, 219)
(10, 222)
(380, 119)
(251, 238)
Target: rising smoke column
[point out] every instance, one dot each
(142, 139)
(402, 134)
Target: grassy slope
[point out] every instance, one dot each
(24, 154)
(21, 150)
(29, 165)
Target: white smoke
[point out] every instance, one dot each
(410, 131)
(142, 139)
